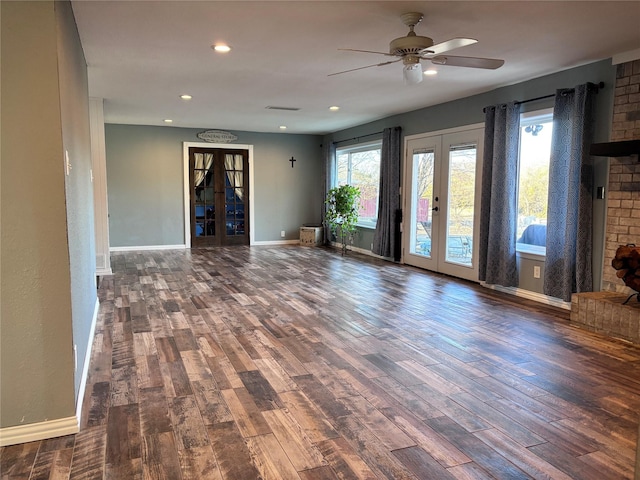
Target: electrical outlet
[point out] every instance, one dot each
(536, 271)
(282, 233)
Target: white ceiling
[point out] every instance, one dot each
(142, 55)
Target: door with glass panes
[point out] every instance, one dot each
(219, 196)
(442, 176)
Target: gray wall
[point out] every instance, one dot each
(468, 111)
(45, 282)
(145, 183)
(76, 139)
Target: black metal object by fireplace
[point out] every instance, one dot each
(627, 264)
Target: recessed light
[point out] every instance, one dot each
(283, 127)
(431, 72)
(168, 120)
(186, 97)
(222, 48)
(333, 108)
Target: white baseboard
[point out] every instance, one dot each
(536, 297)
(38, 431)
(101, 272)
(62, 426)
(87, 360)
(147, 247)
(175, 247)
(363, 251)
(276, 242)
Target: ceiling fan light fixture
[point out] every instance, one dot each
(413, 48)
(412, 73)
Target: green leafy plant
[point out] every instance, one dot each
(342, 213)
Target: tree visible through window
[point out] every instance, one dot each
(533, 184)
(360, 167)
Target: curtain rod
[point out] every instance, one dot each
(599, 85)
(357, 138)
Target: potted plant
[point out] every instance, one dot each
(342, 213)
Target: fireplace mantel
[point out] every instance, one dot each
(624, 148)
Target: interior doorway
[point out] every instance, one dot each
(218, 186)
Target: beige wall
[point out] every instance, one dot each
(36, 349)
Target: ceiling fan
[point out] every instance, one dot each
(412, 48)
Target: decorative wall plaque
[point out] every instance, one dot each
(217, 136)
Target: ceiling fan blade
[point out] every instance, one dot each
(473, 62)
(366, 51)
(362, 68)
(447, 46)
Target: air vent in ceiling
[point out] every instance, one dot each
(291, 109)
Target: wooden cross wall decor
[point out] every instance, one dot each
(292, 160)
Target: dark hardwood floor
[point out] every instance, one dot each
(292, 362)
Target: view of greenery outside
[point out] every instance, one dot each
(533, 183)
(424, 182)
(361, 168)
(423, 163)
(461, 193)
(462, 181)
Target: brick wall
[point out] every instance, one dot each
(623, 204)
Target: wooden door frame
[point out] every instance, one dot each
(186, 189)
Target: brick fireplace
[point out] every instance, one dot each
(603, 311)
(623, 205)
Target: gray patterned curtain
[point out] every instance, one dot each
(498, 207)
(329, 155)
(569, 212)
(384, 238)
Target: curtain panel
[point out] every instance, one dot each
(498, 208)
(569, 212)
(329, 154)
(385, 237)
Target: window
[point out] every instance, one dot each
(533, 183)
(360, 167)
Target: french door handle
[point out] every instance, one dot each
(435, 209)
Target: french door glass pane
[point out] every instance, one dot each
(203, 179)
(234, 194)
(460, 208)
(422, 198)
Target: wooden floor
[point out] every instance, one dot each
(292, 362)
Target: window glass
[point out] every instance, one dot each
(533, 184)
(360, 167)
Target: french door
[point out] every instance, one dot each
(219, 192)
(442, 202)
